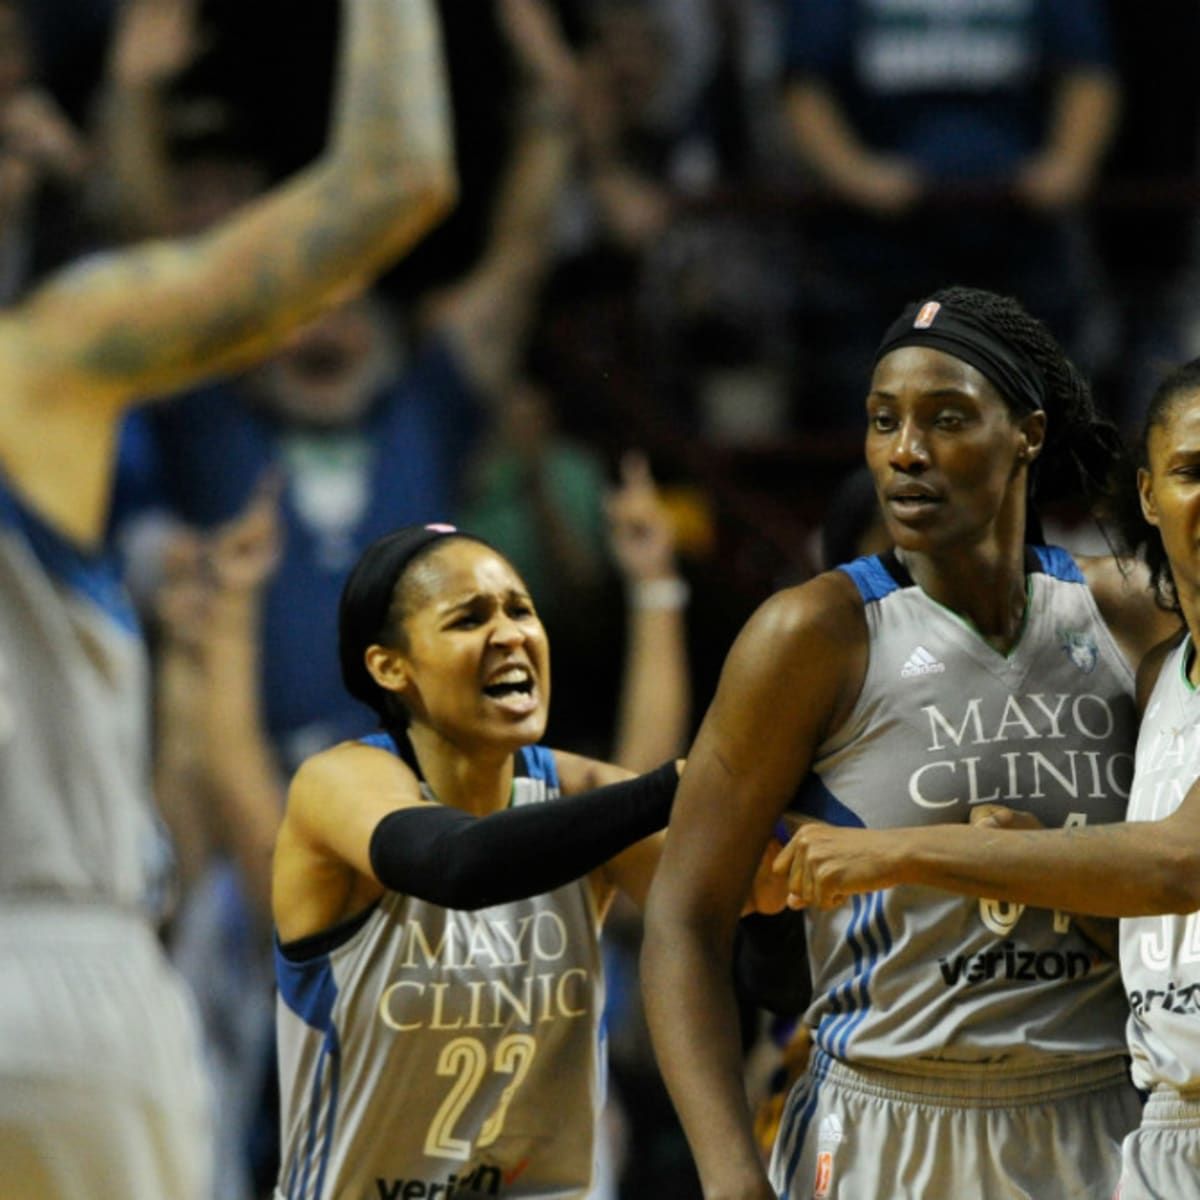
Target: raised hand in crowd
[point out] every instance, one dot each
(656, 695)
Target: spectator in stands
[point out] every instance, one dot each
(172, 161)
(677, 120)
(333, 410)
(951, 142)
(44, 160)
(1145, 226)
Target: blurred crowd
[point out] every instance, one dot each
(632, 358)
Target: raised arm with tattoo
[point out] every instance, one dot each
(116, 1105)
(153, 319)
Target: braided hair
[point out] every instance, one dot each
(1136, 533)
(1081, 444)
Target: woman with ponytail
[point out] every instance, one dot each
(962, 1047)
(438, 892)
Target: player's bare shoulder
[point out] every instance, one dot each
(805, 647)
(351, 776)
(821, 618)
(577, 773)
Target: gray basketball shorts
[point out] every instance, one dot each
(857, 1133)
(102, 1090)
(1161, 1158)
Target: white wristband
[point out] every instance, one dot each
(659, 593)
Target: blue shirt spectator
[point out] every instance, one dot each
(953, 142)
(201, 455)
(960, 89)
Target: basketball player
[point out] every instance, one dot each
(100, 1081)
(1144, 871)
(961, 1048)
(438, 894)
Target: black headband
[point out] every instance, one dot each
(367, 598)
(958, 333)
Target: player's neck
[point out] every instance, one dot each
(474, 782)
(987, 590)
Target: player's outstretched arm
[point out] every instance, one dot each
(1125, 869)
(155, 318)
(1128, 869)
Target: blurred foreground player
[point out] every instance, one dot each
(100, 1084)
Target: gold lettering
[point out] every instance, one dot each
(564, 1007)
(385, 1006)
(437, 1019)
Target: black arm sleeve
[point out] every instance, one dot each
(770, 961)
(452, 858)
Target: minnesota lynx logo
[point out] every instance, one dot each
(1080, 648)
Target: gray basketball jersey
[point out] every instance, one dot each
(1160, 956)
(917, 978)
(78, 811)
(433, 1052)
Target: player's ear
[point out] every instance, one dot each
(388, 667)
(1145, 488)
(1032, 436)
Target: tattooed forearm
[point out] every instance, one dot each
(393, 64)
(155, 319)
(186, 335)
(328, 238)
(262, 289)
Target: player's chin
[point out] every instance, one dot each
(932, 537)
(519, 728)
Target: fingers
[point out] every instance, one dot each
(635, 469)
(640, 531)
(245, 551)
(793, 821)
(635, 495)
(988, 815)
(768, 892)
(783, 860)
(998, 816)
(815, 861)
(796, 861)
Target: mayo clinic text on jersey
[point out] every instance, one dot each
(1071, 773)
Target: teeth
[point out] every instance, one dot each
(512, 675)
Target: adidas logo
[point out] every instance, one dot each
(921, 662)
